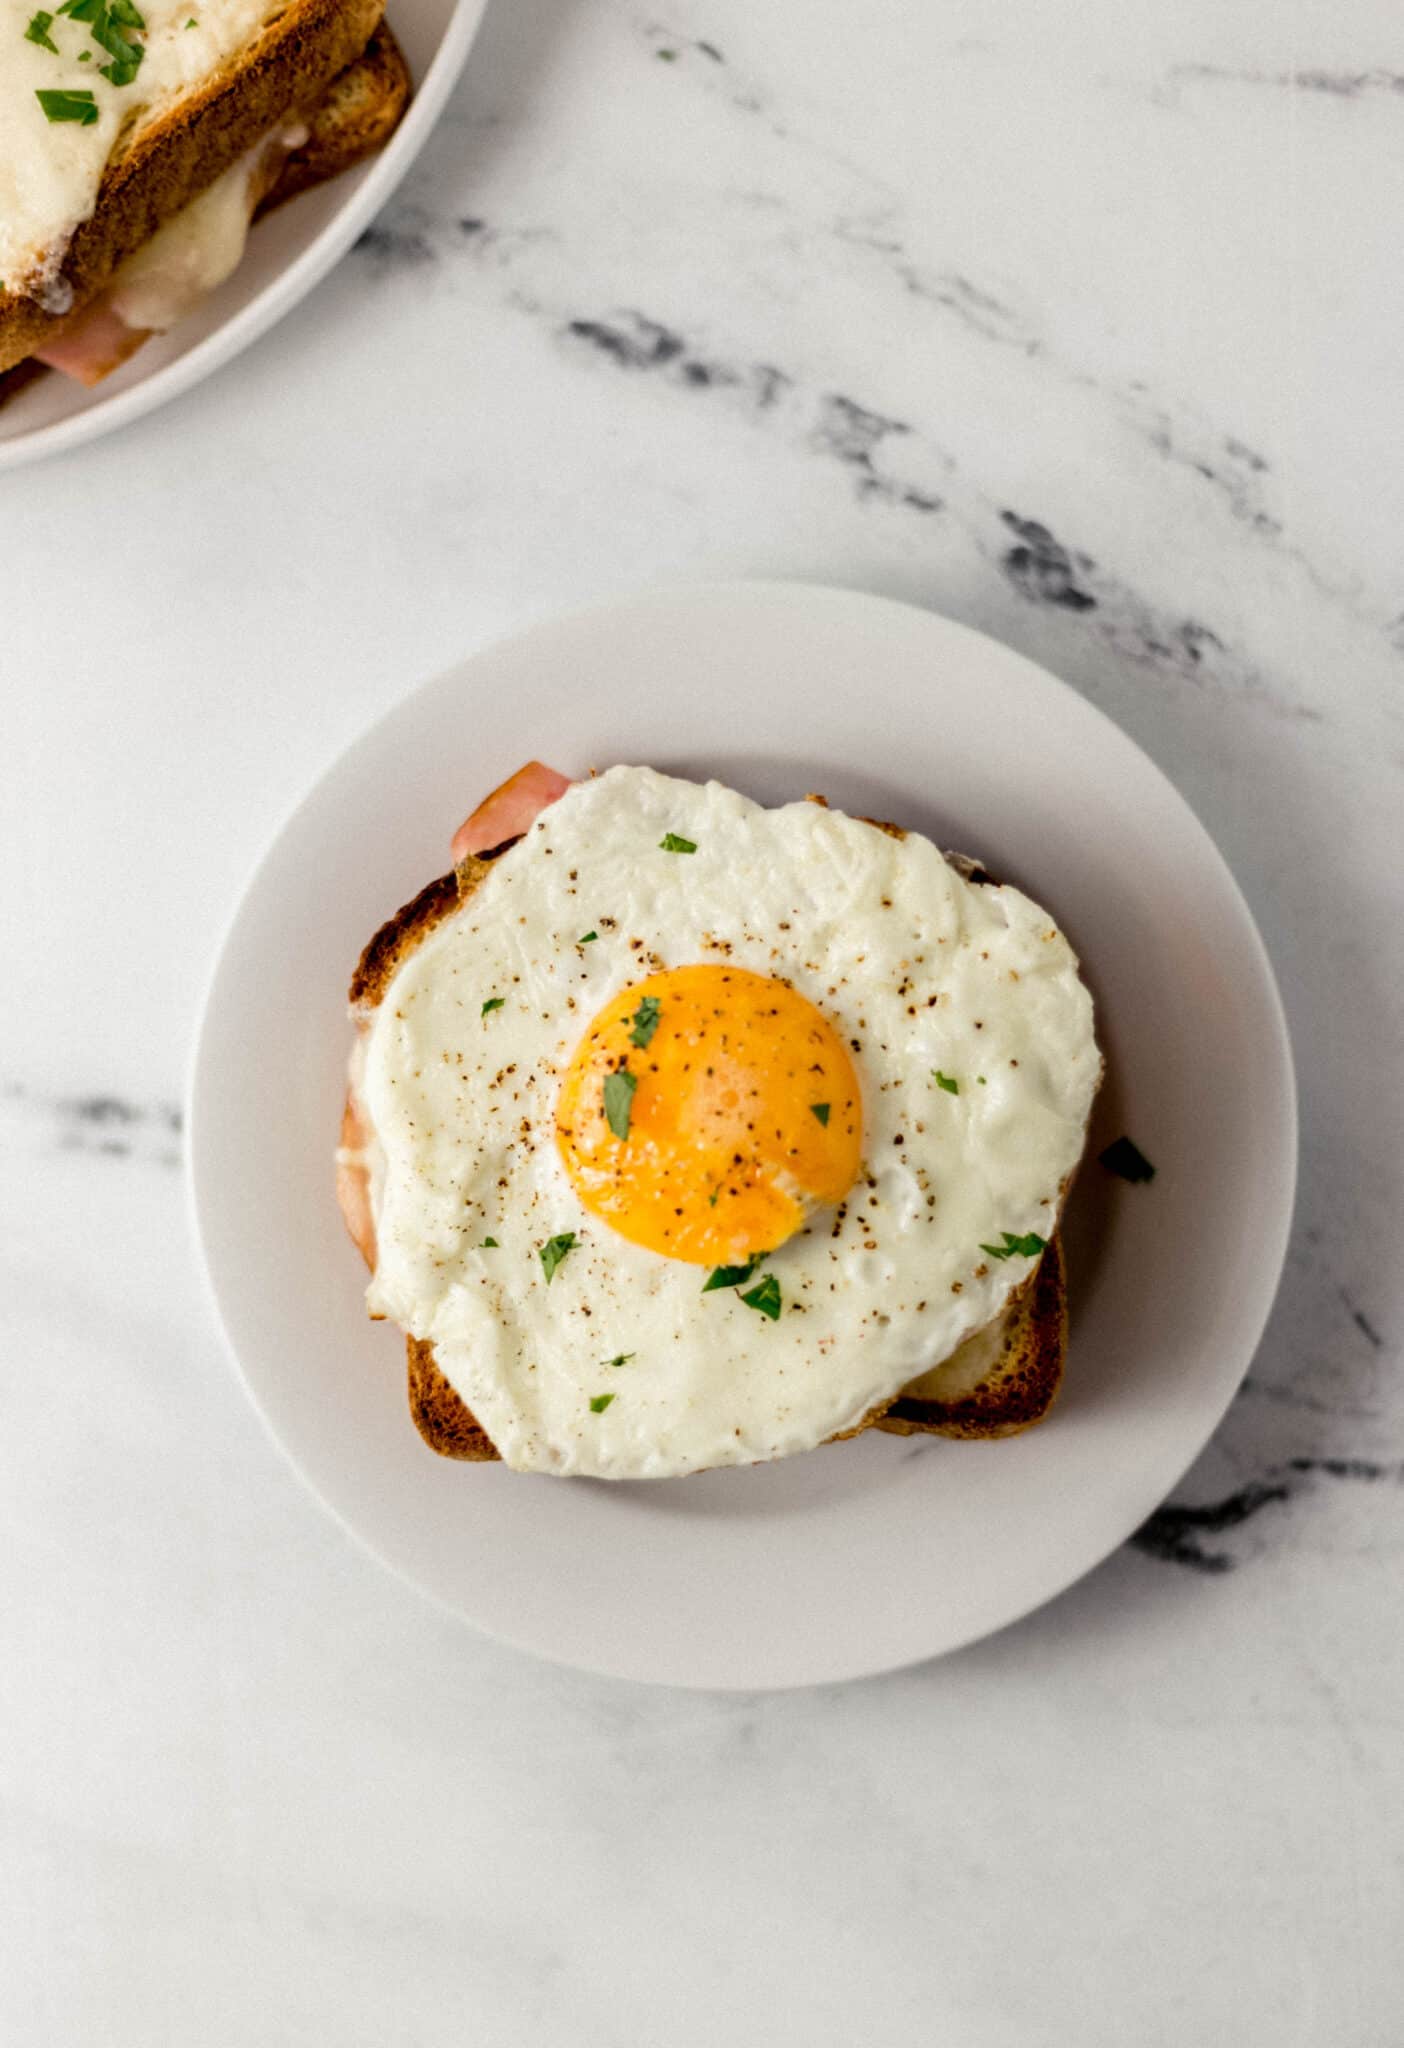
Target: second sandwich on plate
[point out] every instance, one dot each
(139, 139)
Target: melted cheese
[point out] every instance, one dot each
(50, 171)
(184, 260)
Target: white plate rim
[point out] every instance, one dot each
(282, 292)
(1278, 1210)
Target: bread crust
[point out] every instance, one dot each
(441, 1415)
(1011, 1398)
(355, 117)
(1021, 1388)
(168, 161)
(402, 935)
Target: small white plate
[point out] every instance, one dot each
(864, 1555)
(287, 254)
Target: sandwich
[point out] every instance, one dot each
(139, 139)
(682, 1133)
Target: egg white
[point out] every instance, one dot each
(919, 969)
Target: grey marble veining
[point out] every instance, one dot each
(1080, 327)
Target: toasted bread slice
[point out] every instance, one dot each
(163, 162)
(1000, 1381)
(356, 116)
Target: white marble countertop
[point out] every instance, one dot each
(1080, 325)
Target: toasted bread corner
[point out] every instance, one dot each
(440, 1414)
(358, 113)
(1017, 1372)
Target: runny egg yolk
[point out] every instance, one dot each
(706, 1111)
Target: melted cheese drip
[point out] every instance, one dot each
(195, 251)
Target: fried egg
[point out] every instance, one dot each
(702, 1128)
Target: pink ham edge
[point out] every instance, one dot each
(514, 806)
(353, 1178)
(98, 342)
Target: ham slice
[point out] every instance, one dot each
(514, 806)
(353, 1190)
(91, 347)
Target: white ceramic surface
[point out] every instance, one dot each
(287, 255)
(769, 1576)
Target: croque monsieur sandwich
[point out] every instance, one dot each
(139, 138)
(684, 1133)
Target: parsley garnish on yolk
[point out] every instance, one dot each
(732, 1276)
(644, 1021)
(618, 1101)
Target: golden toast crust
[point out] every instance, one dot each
(1019, 1390)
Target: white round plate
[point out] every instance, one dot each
(859, 1556)
(287, 254)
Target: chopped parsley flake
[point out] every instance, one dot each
(492, 1003)
(489, 1244)
(981, 1079)
(672, 842)
(944, 1081)
(69, 106)
(732, 1276)
(618, 1101)
(821, 1110)
(38, 32)
(644, 1021)
(1128, 1160)
(113, 23)
(554, 1250)
(1027, 1247)
(586, 938)
(765, 1298)
(622, 1359)
(599, 1402)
